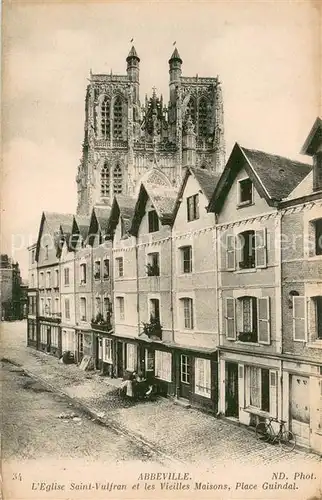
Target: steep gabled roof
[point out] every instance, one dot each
(273, 176)
(206, 180)
(163, 199)
(81, 225)
(175, 56)
(102, 215)
(122, 206)
(57, 222)
(314, 139)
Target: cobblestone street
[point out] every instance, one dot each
(160, 429)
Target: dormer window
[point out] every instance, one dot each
(153, 221)
(245, 194)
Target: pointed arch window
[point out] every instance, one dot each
(191, 110)
(105, 180)
(105, 117)
(117, 180)
(202, 116)
(117, 124)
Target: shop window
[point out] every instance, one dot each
(259, 389)
(130, 357)
(163, 365)
(203, 377)
(107, 351)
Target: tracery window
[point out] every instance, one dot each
(105, 118)
(117, 124)
(117, 180)
(105, 180)
(191, 110)
(202, 116)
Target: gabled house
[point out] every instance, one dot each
(101, 321)
(151, 227)
(69, 238)
(120, 354)
(47, 257)
(194, 296)
(301, 254)
(248, 240)
(83, 287)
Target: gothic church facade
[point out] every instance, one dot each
(126, 142)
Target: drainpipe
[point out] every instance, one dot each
(279, 308)
(137, 283)
(171, 285)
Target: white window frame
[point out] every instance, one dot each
(203, 377)
(163, 365)
(48, 279)
(83, 273)
(105, 278)
(192, 314)
(185, 362)
(67, 309)
(196, 207)
(98, 305)
(66, 275)
(261, 237)
(130, 357)
(54, 337)
(43, 334)
(82, 300)
(118, 261)
(107, 350)
(182, 248)
(120, 299)
(150, 299)
(230, 318)
(97, 261)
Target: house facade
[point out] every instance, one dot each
(302, 301)
(250, 281)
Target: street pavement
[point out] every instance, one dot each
(158, 430)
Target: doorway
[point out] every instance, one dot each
(231, 392)
(185, 376)
(119, 360)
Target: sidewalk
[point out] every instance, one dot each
(184, 434)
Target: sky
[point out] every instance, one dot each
(265, 53)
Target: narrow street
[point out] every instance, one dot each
(53, 410)
(37, 423)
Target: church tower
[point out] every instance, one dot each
(126, 142)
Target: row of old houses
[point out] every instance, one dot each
(214, 290)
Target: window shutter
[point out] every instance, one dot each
(230, 319)
(230, 253)
(299, 318)
(273, 379)
(260, 248)
(263, 322)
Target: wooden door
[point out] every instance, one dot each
(300, 408)
(232, 405)
(185, 376)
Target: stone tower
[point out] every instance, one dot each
(126, 142)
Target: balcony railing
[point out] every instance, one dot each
(152, 270)
(101, 323)
(248, 337)
(153, 328)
